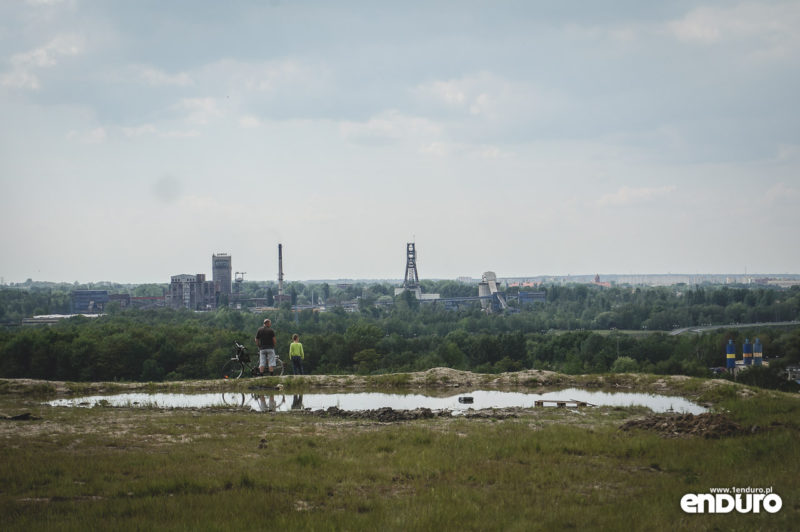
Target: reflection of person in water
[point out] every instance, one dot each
(297, 402)
(273, 406)
(268, 403)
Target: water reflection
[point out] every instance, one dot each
(297, 402)
(481, 399)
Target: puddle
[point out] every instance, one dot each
(481, 399)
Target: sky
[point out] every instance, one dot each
(521, 137)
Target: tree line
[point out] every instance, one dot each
(563, 335)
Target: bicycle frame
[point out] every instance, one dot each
(240, 364)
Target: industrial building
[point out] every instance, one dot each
(192, 292)
(529, 298)
(752, 355)
(490, 297)
(221, 269)
(487, 289)
(88, 301)
(196, 293)
(411, 279)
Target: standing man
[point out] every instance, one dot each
(265, 340)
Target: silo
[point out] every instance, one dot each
(731, 359)
(747, 352)
(758, 354)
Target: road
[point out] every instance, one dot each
(705, 328)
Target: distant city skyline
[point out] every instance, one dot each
(649, 279)
(536, 138)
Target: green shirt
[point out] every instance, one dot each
(296, 350)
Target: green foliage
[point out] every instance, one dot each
(166, 344)
(624, 365)
(767, 377)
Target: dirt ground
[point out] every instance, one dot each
(437, 380)
(712, 426)
(443, 378)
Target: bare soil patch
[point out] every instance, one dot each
(712, 426)
(390, 415)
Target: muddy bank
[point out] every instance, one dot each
(432, 379)
(390, 415)
(711, 426)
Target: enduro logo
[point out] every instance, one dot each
(726, 500)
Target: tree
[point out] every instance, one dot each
(366, 361)
(270, 297)
(624, 365)
(362, 335)
(151, 371)
(223, 300)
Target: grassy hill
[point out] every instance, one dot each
(604, 468)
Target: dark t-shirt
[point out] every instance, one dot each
(266, 338)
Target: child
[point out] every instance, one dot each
(296, 354)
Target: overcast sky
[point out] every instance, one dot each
(526, 138)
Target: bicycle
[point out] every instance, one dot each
(240, 364)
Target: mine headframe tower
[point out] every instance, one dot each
(238, 280)
(411, 281)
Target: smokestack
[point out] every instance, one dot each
(280, 271)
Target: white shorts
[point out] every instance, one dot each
(267, 355)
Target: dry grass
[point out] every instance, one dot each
(541, 469)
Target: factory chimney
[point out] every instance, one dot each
(280, 272)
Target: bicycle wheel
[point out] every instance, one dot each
(279, 367)
(233, 399)
(232, 369)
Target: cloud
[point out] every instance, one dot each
(437, 149)
(179, 134)
(260, 79)
(20, 79)
(488, 95)
(26, 64)
(781, 193)
(631, 196)
(139, 131)
(158, 78)
(486, 108)
(787, 153)
(449, 92)
(774, 24)
(273, 75)
(389, 127)
(95, 136)
(493, 152)
(200, 110)
(449, 149)
(249, 121)
(146, 130)
(479, 94)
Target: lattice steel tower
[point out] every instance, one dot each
(411, 281)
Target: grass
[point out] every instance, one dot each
(133, 469)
